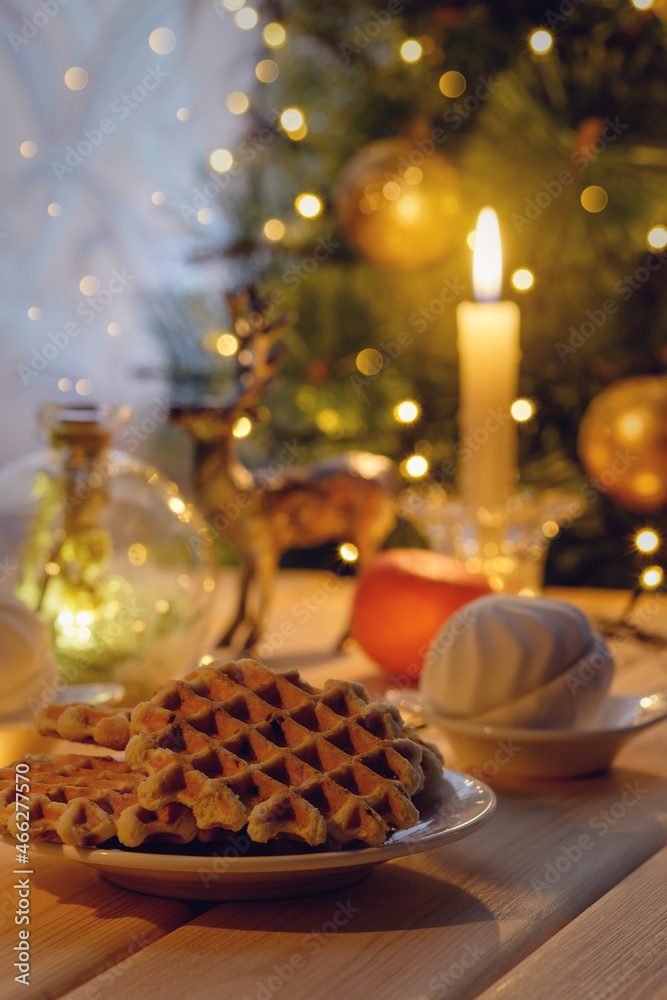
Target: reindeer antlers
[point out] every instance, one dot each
(258, 335)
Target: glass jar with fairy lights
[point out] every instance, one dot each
(109, 554)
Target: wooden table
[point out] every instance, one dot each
(517, 910)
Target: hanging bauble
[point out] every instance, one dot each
(622, 442)
(399, 203)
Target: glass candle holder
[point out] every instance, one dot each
(507, 542)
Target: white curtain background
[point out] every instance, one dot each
(107, 225)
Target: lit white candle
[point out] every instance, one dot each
(488, 343)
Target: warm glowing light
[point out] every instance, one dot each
(90, 285)
(137, 554)
(642, 4)
(470, 239)
(183, 114)
(162, 607)
(114, 329)
(84, 387)
(416, 466)
(348, 552)
(227, 345)
(221, 160)
(209, 584)
(652, 577)
(205, 660)
(328, 420)
(541, 41)
(521, 410)
(52, 569)
(233, 4)
(407, 411)
(369, 361)
(292, 120)
(28, 149)
(452, 83)
(647, 541)
(83, 618)
(246, 18)
(274, 229)
(64, 384)
(266, 71)
(162, 41)
(176, 504)
(487, 264)
(65, 618)
(411, 50)
(237, 102)
(308, 205)
(205, 216)
(657, 238)
(158, 197)
(523, 279)
(34, 312)
(594, 198)
(241, 428)
(550, 529)
(274, 35)
(76, 78)
(54, 209)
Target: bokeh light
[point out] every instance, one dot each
(452, 83)
(183, 114)
(522, 410)
(28, 149)
(241, 428)
(541, 41)
(162, 41)
(34, 313)
(158, 197)
(114, 329)
(647, 541)
(523, 279)
(274, 229)
(76, 78)
(246, 18)
(237, 102)
(369, 361)
(221, 160)
(308, 205)
(89, 285)
(594, 198)
(267, 71)
(348, 552)
(84, 387)
(657, 238)
(411, 50)
(54, 209)
(652, 577)
(416, 466)
(407, 411)
(274, 35)
(227, 345)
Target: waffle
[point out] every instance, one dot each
(241, 746)
(81, 723)
(84, 801)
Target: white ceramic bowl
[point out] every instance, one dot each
(504, 752)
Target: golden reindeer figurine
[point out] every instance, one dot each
(348, 498)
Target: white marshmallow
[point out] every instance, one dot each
(518, 661)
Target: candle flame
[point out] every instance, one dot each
(487, 263)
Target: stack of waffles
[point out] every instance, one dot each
(232, 746)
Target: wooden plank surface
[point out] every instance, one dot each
(617, 948)
(448, 923)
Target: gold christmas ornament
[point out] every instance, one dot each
(399, 202)
(622, 442)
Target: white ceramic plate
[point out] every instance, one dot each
(459, 807)
(502, 751)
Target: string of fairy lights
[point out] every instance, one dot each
(308, 205)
